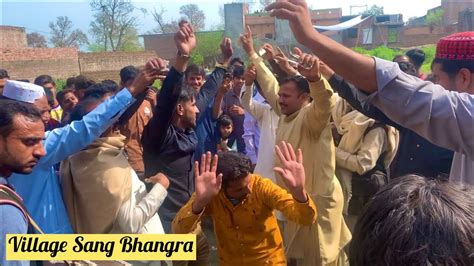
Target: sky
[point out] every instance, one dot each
(36, 15)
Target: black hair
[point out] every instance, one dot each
(24, 80)
(224, 121)
(417, 57)
(238, 71)
(301, 83)
(99, 90)
(414, 220)
(4, 74)
(233, 166)
(194, 69)
(184, 92)
(110, 83)
(60, 95)
(452, 67)
(128, 73)
(44, 79)
(408, 68)
(49, 96)
(11, 108)
(82, 107)
(82, 82)
(236, 60)
(70, 82)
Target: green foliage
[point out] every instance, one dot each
(207, 48)
(60, 84)
(389, 53)
(435, 17)
(374, 11)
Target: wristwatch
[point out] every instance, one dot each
(180, 54)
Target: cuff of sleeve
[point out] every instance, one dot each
(320, 88)
(303, 203)
(124, 97)
(159, 192)
(223, 66)
(254, 58)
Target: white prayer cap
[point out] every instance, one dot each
(22, 91)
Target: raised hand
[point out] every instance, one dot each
(226, 49)
(292, 170)
(285, 65)
(250, 75)
(297, 13)
(185, 39)
(153, 70)
(225, 86)
(247, 41)
(207, 183)
(237, 110)
(308, 66)
(268, 51)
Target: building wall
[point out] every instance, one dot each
(452, 8)
(26, 63)
(12, 37)
(162, 44)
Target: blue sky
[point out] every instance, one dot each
(36, 15)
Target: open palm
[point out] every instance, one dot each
(291, 170)
(185, 39)
(207, 182)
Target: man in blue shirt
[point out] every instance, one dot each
(21, 135)
(40, 189)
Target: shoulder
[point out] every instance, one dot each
(12, 220)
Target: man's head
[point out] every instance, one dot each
(100, 90)
(293, 94)
(70, 83)
(453, 67)
(21, 135)
(67, 99)
(416, 221)
(408, 68)
(401, 58)
(85, 107)
(225, 126)
(417, 57)
(238, 79)
(195, 76)
(81, 83)
(235, 169)
(128, 75)
(3, 78)
(46, 82)
(186, 111)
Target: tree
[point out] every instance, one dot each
(194, 15)
(374, 11)
(434, 18)
(163, 26)
(62, 34)
(114, 25)
(36, 40)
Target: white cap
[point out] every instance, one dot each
(22, 91)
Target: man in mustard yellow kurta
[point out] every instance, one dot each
(305, 124)
(243, 210)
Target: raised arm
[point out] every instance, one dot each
(63, 142)
(317, 117)
(354, 67)
(213, 82)
(223, 89)
(297, 206)
(255, 109)
(265, 77)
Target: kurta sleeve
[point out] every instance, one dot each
(277, 198)
(132, 218)
(268, 82)
(317, 117)
(366, 157)
(186, 220)
(254, 108)
(443, 117)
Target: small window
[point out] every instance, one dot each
(268, 35)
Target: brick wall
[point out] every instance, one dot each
(12, 37)
(29, 63)
(162, 44)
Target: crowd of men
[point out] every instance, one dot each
(322, 157)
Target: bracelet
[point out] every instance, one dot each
(180, 54)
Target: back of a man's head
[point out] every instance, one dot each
(416, 221)
(100, 90)
(43, 80)
(417, 57)
(128, 74)
(81, 83)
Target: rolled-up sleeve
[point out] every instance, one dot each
(445, 118)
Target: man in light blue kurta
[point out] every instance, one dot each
(40, 190)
